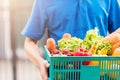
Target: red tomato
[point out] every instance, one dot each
(82, 52)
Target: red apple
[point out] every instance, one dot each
(53, 52)
(65, 51)
(78, 52)
(82, 52)
(70, 54)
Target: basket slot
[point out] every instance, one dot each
(67, 65)
(66, 76)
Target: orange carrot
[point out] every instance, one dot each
(51, 45)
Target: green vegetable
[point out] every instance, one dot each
(92, 41)
(69, 44)
(104, 47)
(91, 38)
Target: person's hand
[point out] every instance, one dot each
(43, 69)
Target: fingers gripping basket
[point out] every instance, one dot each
(71, 68)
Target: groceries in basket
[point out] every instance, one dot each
(92, 44)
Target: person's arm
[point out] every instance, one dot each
(33, 53)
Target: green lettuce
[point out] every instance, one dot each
(91, 38)
(69, 44)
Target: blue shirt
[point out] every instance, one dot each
(72, 16)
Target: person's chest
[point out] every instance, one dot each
(62, 8)
(75, 15)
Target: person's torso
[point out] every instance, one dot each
(76, 17)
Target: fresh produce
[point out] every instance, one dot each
(114, 39)
(82, 52)
(91, 38)
(93, 63)
(116, 45)
(55, 51)
(118, 31)
(116, 52)
(104, 48)
(92, 45)
(67, 52)
(114, 74)
(50, 44)
(69, 44)
(93, 42)
(93, 48)
(67, 36)
(115, 65)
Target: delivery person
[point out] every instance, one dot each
(67, 16)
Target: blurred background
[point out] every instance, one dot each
(14, 64)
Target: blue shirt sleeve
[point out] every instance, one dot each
(114, 16)
(35, 26)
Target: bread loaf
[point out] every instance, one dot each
(114, 39)
(118, 30)
(116, 45)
